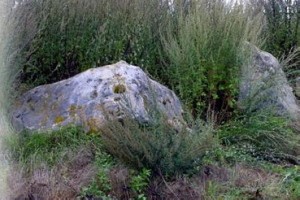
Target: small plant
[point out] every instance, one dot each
(100, 185)
(139, 182)
(211, 190)
(224, 155)
(292, 181)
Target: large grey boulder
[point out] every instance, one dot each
(92, 97)
(265, 86)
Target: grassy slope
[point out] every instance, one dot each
(231, 171)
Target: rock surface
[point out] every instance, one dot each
(297, 88)
(264, 85)
(91, 97)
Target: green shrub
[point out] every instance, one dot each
(193, 46)
(204, 50)
(264, 136)
(158, 147)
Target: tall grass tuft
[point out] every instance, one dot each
(158, 147)
(290, 64)
(204, 50)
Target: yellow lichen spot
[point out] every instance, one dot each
(72, 109)
(92, 124)
(120, 88)
(59, 119)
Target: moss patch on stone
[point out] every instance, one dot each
(119, 89)
(59, 119)
(92, 124)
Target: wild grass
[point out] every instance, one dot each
(68, 37)
(159, 146)
(290, 64)
(46, 165)
(264, 136)
(193, 46)
(32, 149)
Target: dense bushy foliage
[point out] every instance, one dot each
(282, 31)
(283, 25)
(205, 53)
(68, 37)
(192, 46)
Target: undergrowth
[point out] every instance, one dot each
(230, 169)
(263, 135)
(100, 185)
(32, 149)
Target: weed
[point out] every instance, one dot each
(139, 182)
(100, 185)
(291, 181)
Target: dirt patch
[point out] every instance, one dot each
(63, 181)
(252, 183)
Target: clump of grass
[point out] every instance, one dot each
(290, 63)
(158, 146)
(263, 135)
(35, 148)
